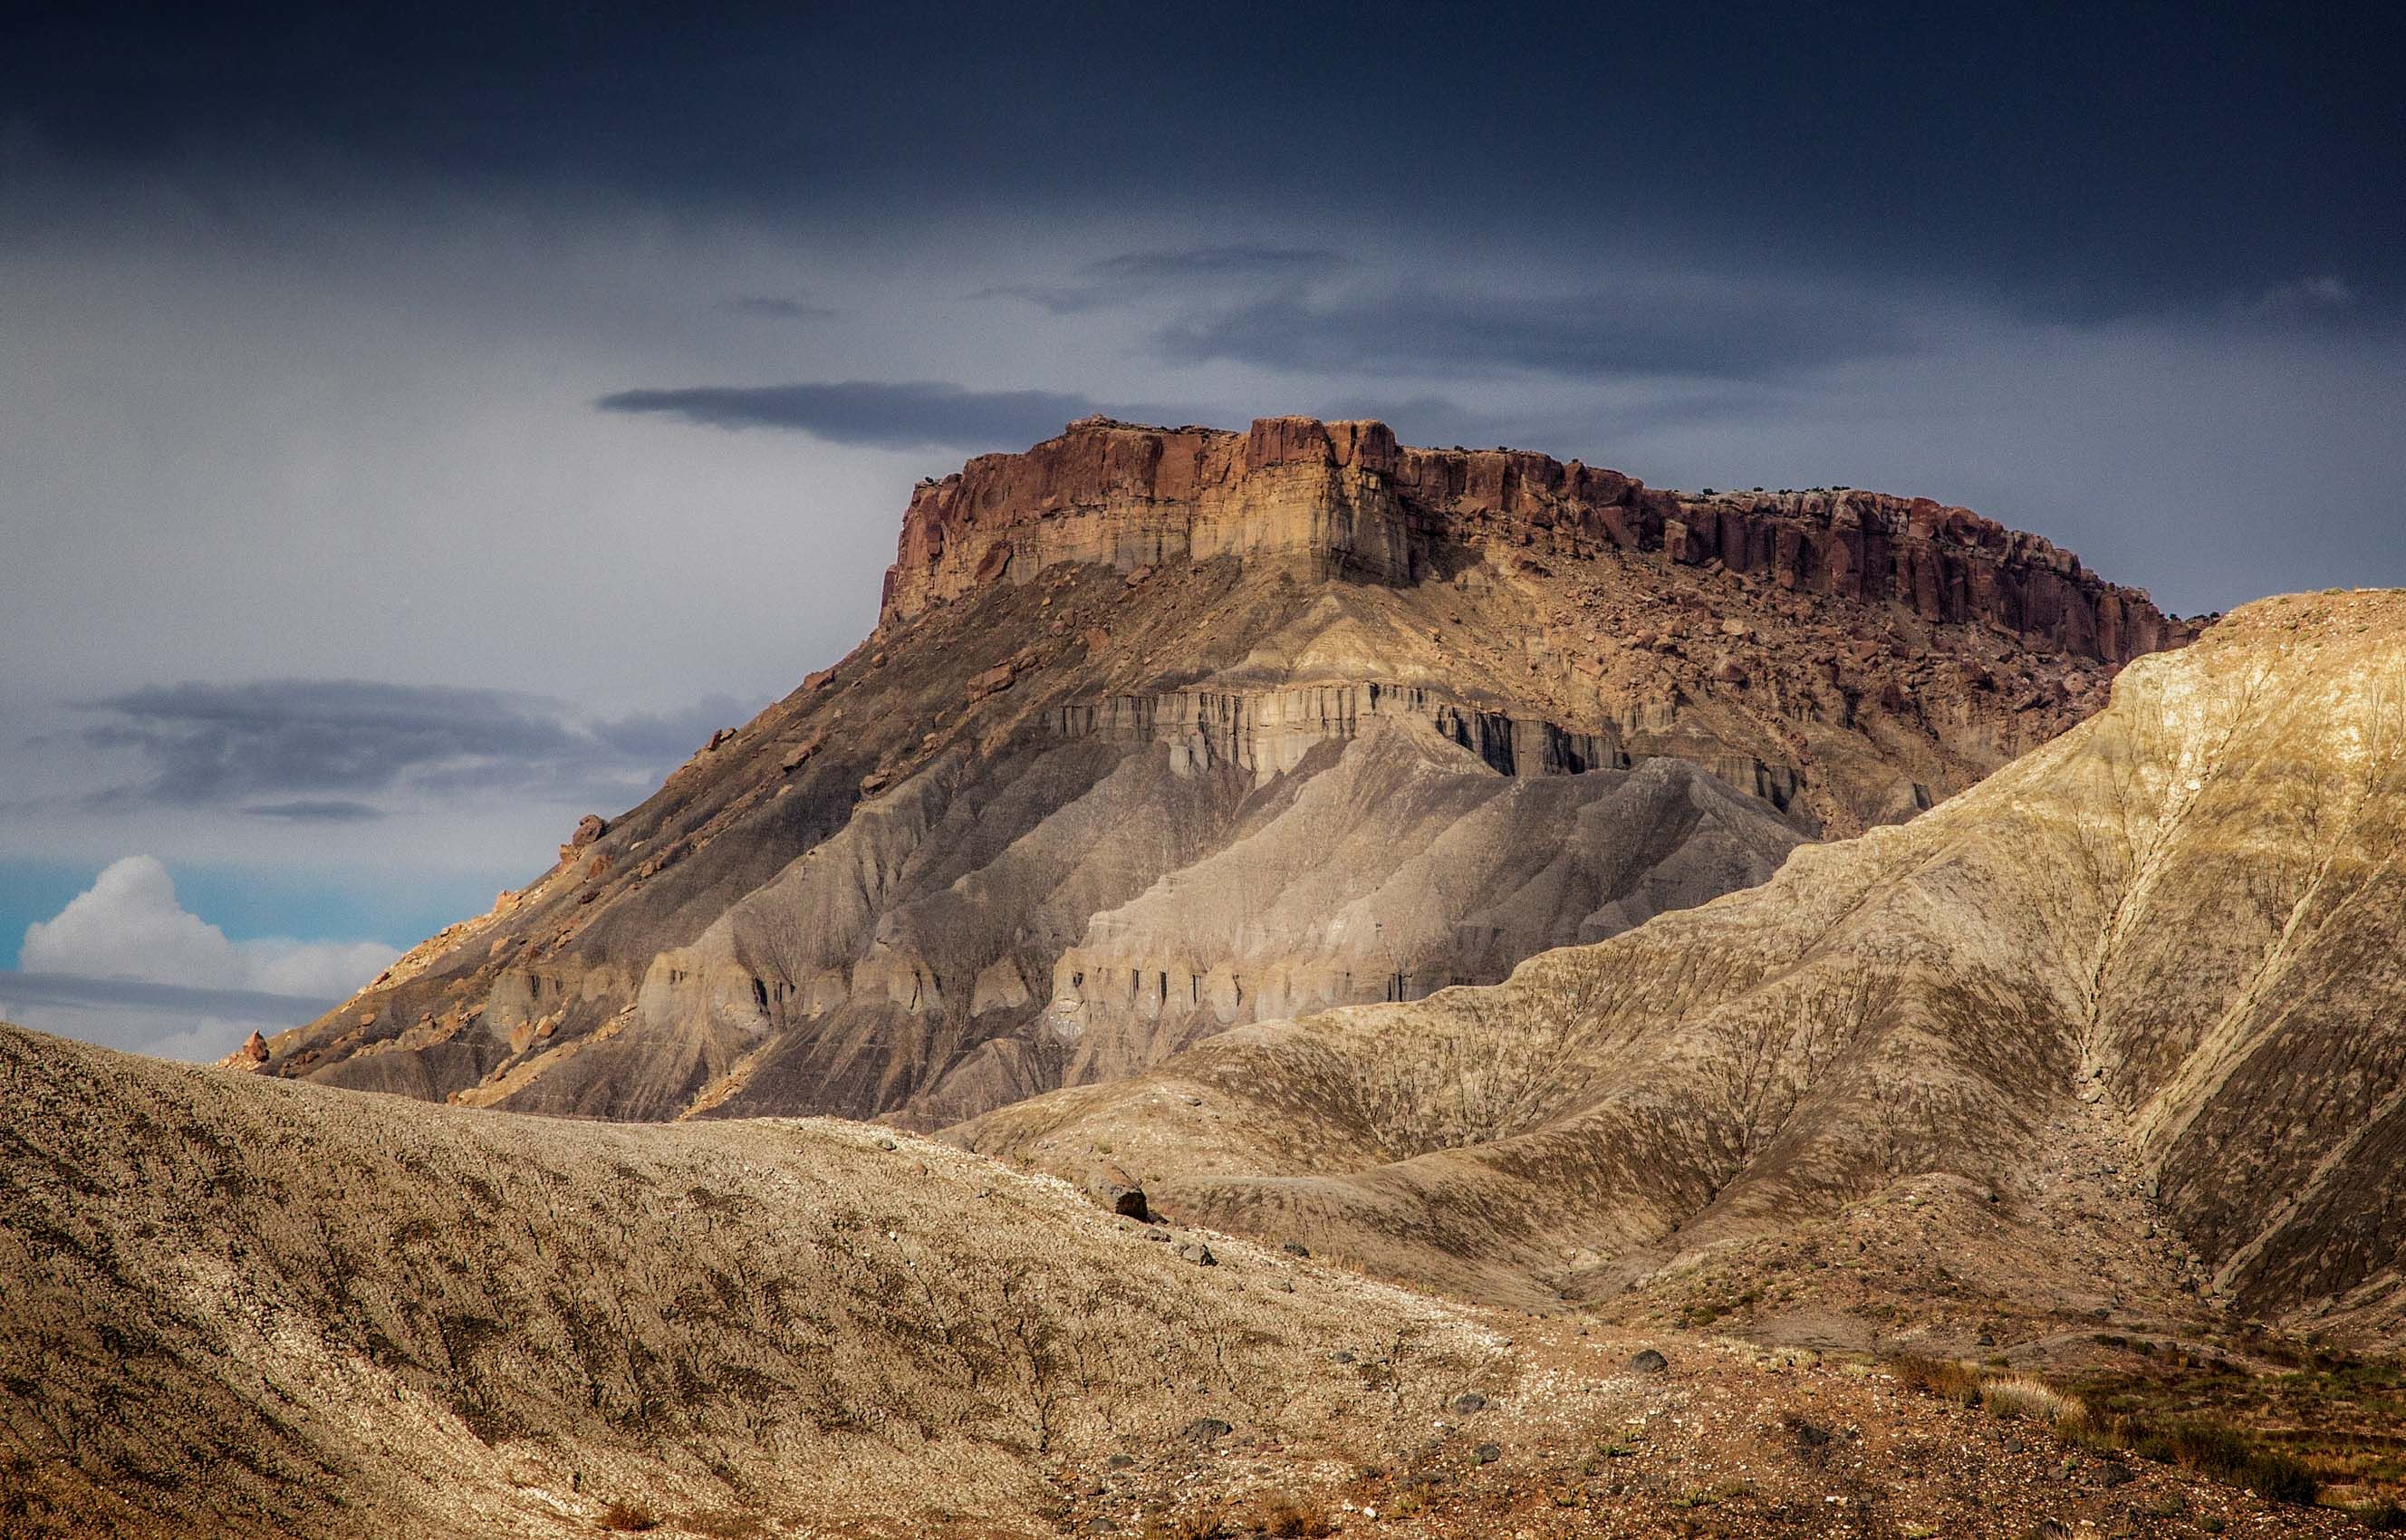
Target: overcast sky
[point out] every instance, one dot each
(417, 429)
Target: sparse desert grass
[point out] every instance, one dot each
(1288, 1516)
(2342, 1418)
(1198, 1524)
(2208, 1448)
(1943, 1377)
(2021, 1396)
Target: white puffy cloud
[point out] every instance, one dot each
(128, 924)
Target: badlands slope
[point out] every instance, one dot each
(2119, 1034)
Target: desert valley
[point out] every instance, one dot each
(948, 771)
(1297, 984)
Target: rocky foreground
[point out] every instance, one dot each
(1163, 731)
(237, 1308)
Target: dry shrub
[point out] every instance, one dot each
(1287, 1516)
(2017, 1396)
(1946, 1378)
(1200, 1524)
(2227, 1454)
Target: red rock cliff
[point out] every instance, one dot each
(1347, 498)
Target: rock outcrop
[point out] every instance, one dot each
(2119, 1033)
(1168, 732)
(1344, 497)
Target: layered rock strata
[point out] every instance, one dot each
(1262, 722)
(1344, 496)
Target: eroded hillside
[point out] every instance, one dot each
(236, 1309)
(2119, 1034)
(1168, 730)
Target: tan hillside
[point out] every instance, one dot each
(2119, 1034)
(1165, 731)
(236, 1308)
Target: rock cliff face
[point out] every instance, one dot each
(1165, 731)
(1345, 497)
(2119, 1033)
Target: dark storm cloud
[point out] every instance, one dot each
(2071, 149)
(227, 744)
(1645, 327)
(913, 415)
(780, 307)
(294, 741)
(1138, 275)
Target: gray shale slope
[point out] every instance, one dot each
(1168, 731)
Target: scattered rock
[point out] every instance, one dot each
(591, 828)
(1295, 1249)
(1487, 1454)
(1469, 1402)
(1120, 1462)
(873, 783)
(1648, 1361)
(1198, 1253)
(1207, 1430)
(254, 1047)
(1157, 1233)
(723, 736)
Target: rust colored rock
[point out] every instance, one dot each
(589, 828)
(873, 783)
(799, 755)
(254, 1047)
(1346, 495)
(993, 681)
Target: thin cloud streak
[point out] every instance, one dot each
(1138, 277)
(1730, 329)
(913, 414)
(779, 307)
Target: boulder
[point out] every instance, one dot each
(993, 681)
(1126, 1202)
